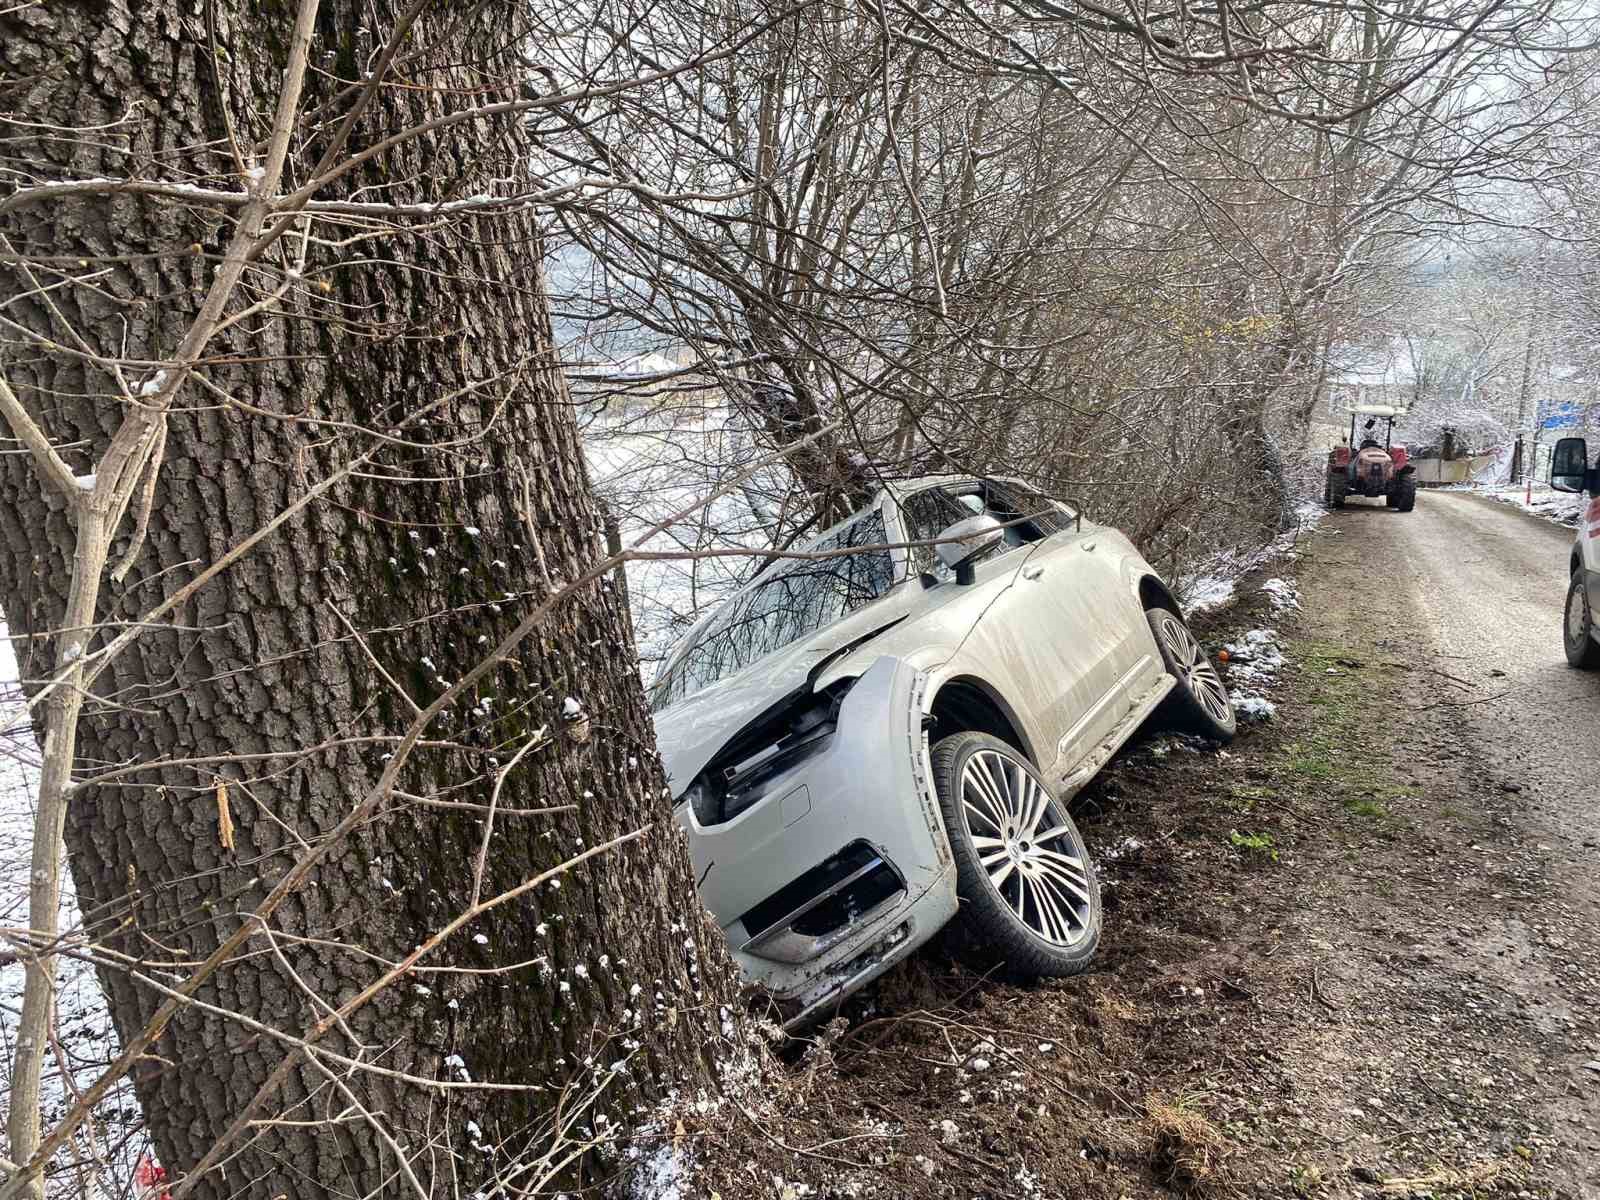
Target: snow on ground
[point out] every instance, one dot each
(1563, 508)
(1211, 585)
(83, 1024)
(1254, 661)
(1282, 594)
(661, 1176)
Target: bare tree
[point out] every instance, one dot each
(1068, 238)
(339, 719)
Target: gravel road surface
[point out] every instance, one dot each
(1506, 927)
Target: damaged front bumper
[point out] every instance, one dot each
(842, 867)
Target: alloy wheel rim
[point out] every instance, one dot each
(1195, 671)
(1577, 615)
(1029, 852)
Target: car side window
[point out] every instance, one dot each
(926, 515)
(1010, 501)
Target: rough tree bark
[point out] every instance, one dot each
(433, 553)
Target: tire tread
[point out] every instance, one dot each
(1181, 711)
(985, 913)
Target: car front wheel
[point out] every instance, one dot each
(1027, 887)
(1199, 703)
(1578, 627)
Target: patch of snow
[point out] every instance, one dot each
(1561, 508)
(1205, 592)
(644, 366)
(1127, 846)
(1282, 594)
(661, 1176)
(1254, 708)
(1213, 584)
(1254, 661)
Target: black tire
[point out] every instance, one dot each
(1577, 626)
(1392, 499)
(1405, 493)
(1333, 493)
(1199, 703)
(998, 906)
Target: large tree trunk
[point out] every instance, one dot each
(433, 554)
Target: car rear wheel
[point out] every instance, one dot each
(1578, 627)
(1027, 886)
(1199, 703)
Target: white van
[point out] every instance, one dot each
(1570, 472)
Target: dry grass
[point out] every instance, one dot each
(1448, 1179)
(1186, 1150)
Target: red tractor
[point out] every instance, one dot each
(1370, 469)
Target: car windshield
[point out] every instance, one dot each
(793, 598)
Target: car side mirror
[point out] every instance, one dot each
(1569, 468)
(969, 537)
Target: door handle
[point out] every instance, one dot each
(1088, 545)
(1032, 572)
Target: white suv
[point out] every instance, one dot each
(1570, 472)
(864, 739)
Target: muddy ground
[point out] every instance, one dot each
(1355, 954)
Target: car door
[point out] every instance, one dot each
(1081, 618)
(1025, 623)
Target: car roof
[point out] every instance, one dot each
(905, 487)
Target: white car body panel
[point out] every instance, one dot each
(1586, 553)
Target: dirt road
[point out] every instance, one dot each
(1482, 980)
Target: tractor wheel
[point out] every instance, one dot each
(1333, 493)
(1578, 627)
(1391, 500)
(1405, 493)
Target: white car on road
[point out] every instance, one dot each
(1570, 472)
(869, 737)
